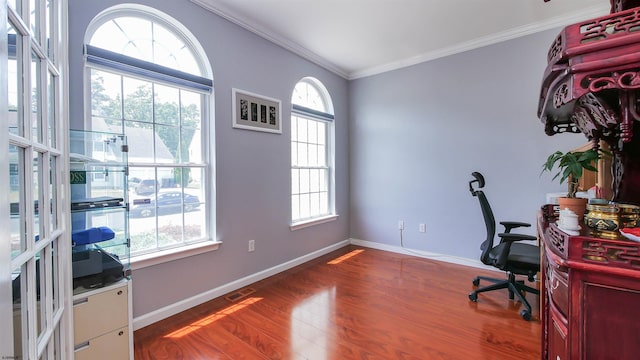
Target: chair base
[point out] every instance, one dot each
(515, 287)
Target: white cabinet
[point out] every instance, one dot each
(102, 323)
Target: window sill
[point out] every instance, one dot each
(312, 222)
(159, 257)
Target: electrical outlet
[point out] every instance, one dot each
(252, 245)
(422, 228)
(400, 224)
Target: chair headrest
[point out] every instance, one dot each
(478, 178)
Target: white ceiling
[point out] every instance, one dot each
(356, 38)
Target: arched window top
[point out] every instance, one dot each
(311, 94)
(146, 34)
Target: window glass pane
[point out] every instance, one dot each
(314, 180)
(17, 200)
(324, 203)
(295, 181)
(138, 100)
(167, 144)
(15, 86)
(313, 155)
(322, 132)
(191, 151)
(148, 41)
(302, 130)
(140, 141)
(106, 94)
(304, 181)
(12, 3)
(295, 207)
(304, 206)
(191, 109)
(314, 204)
(166, 107)
(302, 155)
(36, 107)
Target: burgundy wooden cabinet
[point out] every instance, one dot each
(590, 294)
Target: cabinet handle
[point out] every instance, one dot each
(119, 292)
(82, 346)
(121, 333)
(80, 301)
(555, 284)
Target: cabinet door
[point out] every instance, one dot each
(98, 314)
(608, 315)
(557, 332)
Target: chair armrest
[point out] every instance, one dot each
(511, 237)
(508, 225)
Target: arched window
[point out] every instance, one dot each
(149, 79)
(312, 188)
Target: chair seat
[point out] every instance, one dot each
(522, 258)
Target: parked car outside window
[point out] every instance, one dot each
(170, 202)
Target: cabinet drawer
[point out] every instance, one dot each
(99, 314)
(557, 287)
(110, 346)
(558, 346)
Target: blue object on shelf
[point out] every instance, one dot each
(92, 235)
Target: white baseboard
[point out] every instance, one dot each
(163, 313)
(425, 254)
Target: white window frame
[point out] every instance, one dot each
(210, 242)
(327, 117)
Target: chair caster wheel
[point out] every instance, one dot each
(525, 314)
(473, 297)
(476, 282)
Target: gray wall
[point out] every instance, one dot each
(252, 168)
(419, 132)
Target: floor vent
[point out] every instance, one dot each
(237, 295)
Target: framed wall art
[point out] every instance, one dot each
(256, 112)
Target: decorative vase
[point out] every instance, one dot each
(577, 205)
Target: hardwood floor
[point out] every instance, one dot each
(355, 303)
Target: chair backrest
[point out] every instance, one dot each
(487, 213)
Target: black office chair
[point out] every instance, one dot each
(509, 255)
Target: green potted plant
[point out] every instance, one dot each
(570, 168)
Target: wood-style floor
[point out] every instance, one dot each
(355, 303)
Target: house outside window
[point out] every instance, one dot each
(148, 79)
(312, 159)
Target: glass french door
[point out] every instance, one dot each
(34, 242)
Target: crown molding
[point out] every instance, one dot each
(587, 13)
(295, 48)
(230, 15)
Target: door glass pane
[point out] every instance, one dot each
(18, 288)
(51, 94)
(15, 87)
(49, 29)
(35, 97)
(37, 166)
(17, 201)
(34, 10)
(53, 195)
(41, 293)
(55, 275)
